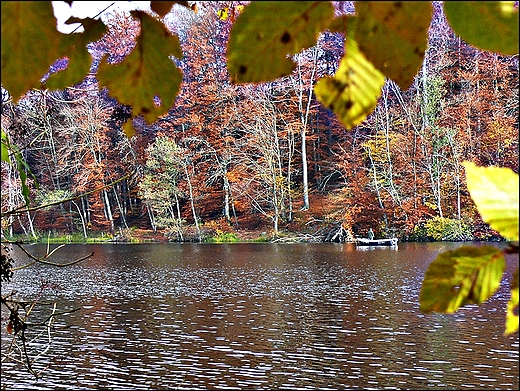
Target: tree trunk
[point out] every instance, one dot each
(108, 210)
(192, 202)
(304, 119)
(83, 224)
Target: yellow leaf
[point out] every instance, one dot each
(393, 36)
(355, 88)
(512, 307)
(223, 13)
(495, 193)
(467, 275)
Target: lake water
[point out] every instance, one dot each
(257, 316)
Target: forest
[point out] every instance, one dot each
(265, 160)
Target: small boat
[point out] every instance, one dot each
(376, 242)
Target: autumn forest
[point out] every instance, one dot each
(262, 160)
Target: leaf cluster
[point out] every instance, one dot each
(263, 38)
(470, 274)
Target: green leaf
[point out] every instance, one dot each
(495, 193)
(267, 32)
(22, 167)
(467, 275)
(487, 25)
(5, 148)
(23, 170)
(512, 307)
(74, 46)
(355, 88)
(147, 72)
(393, 36)
(5, 153)
(30, 44)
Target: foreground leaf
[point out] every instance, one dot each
(487, 25)
(5, 147)
(512, 307)
(393, 36)
(74, 46)
(495, 193)
(30, 44)
(21, 165)
(164, 7)
(467, 275)
(267, 32)
(355, 88)
(147, 72)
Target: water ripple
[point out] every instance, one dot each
(284, 319)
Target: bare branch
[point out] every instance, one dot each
(75, 197)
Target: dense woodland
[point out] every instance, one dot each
(263, 157)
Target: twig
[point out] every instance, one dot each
(32, 209)
(47, 255)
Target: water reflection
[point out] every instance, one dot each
(376, 248)
(261, 316)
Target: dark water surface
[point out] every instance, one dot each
(259, 316)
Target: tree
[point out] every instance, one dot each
(70, 141)
(159, 186)
(205, 110)
(265, 151)
(304, 107)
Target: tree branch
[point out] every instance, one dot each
(75, 197)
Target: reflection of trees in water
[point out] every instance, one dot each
(30, 321)
(247, 317)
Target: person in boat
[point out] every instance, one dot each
(370, 234)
